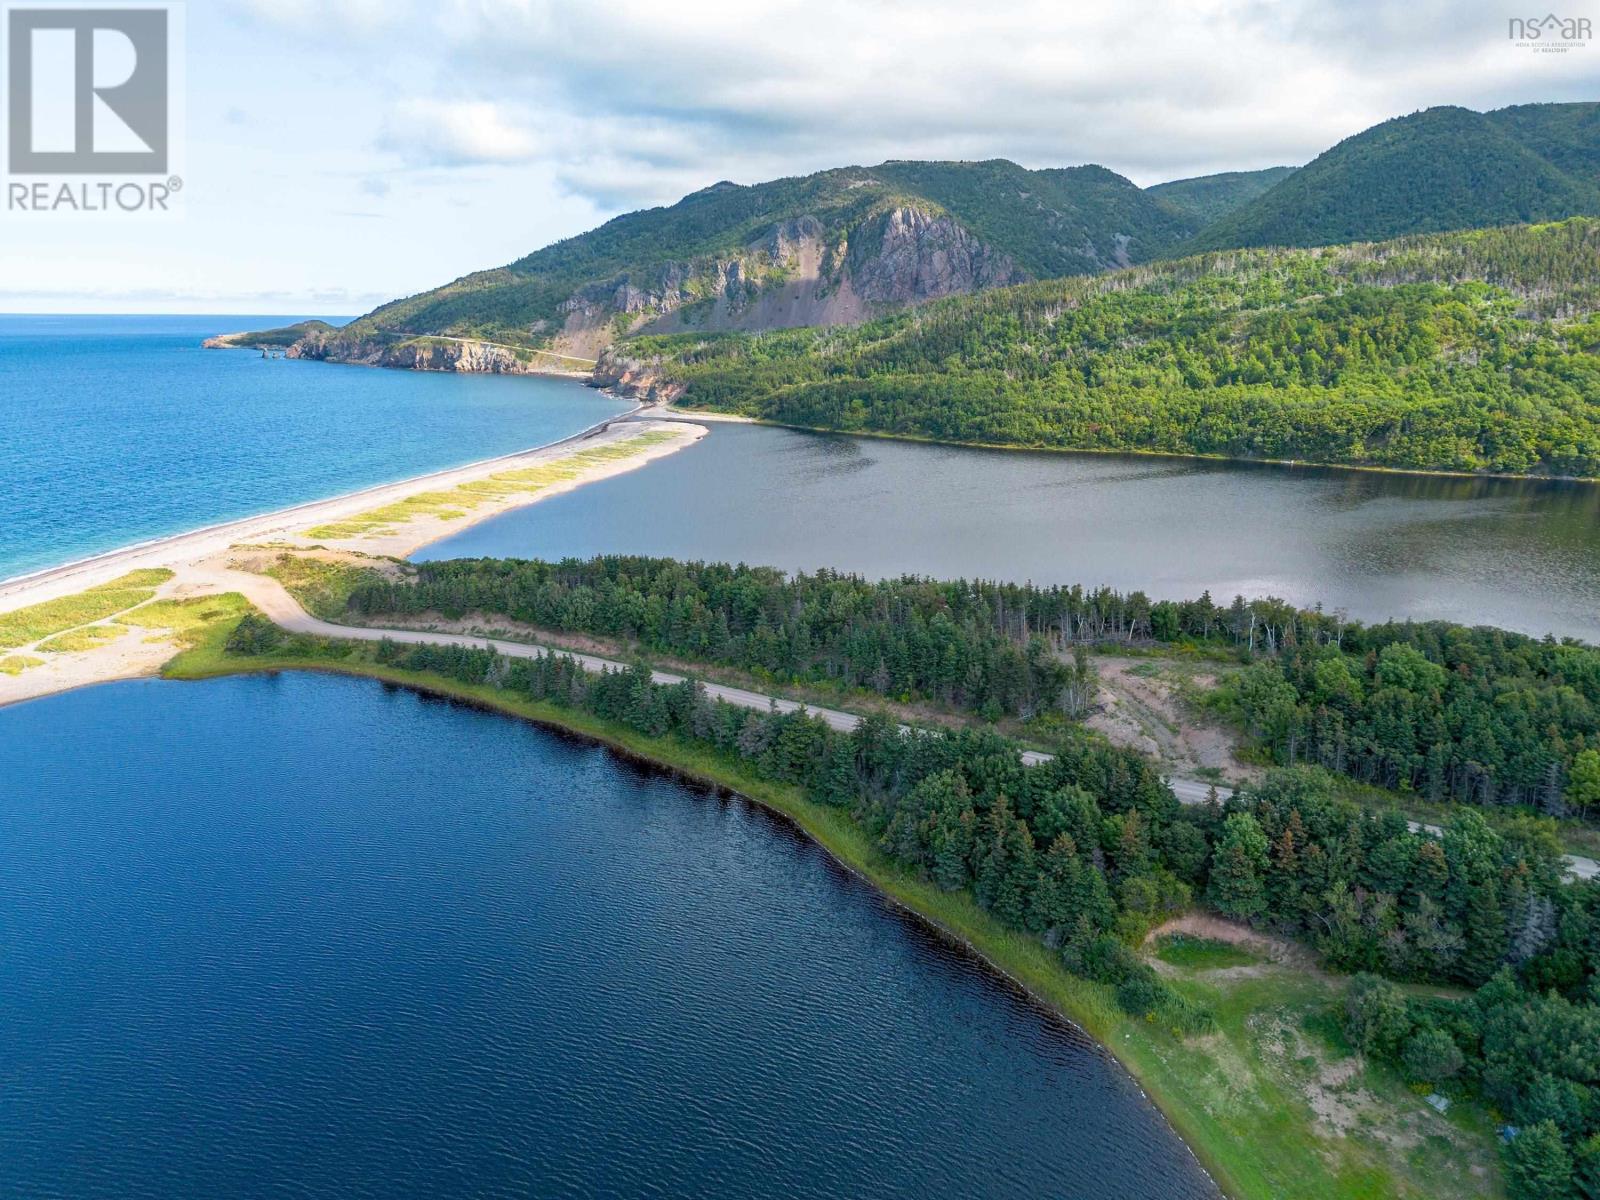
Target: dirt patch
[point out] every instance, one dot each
(259, 560)
(1143, 707)
(1274, 949)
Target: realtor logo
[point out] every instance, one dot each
(88, 91)
(94, 107)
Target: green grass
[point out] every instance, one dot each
(146, 577)
(454, 503)
(16, 664)
(322, 588)
(1201, 953)
(191, 616)
(1239, 1103)
(86, 638)
(25, 625)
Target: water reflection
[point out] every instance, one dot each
(1520, 554)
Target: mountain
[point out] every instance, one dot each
(1440, 169)
(1566, 135)
(1207, 197)
(1473, 351)
(836, 247)
(848, 245)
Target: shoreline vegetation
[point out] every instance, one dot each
(1251, 1063)
(1251, 1117)
(1472, 892)
(58, 643)
(680, 411)
(1015, 960)
(1464, 353)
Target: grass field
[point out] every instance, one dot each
(1273, 1103)
(86, 638)
(191, 616)
(26, 625)
(1201, 953)
(454, 503)
(321, 587)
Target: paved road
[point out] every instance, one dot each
(269, 596)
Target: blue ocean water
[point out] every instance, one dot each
(356, 943)
(118, 429)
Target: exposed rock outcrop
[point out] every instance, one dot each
(908, 256)
(421, 354)
(795, 272)
(794, 276)
(635, 378)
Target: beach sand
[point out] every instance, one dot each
(392, 520)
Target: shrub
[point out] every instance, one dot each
(1431, 1056)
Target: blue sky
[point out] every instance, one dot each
(342, 153)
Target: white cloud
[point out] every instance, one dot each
(627, 99)
(457, 133)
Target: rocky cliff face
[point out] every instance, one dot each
(427, 354)
(633, 377)
(908, 256)
(796, 272)
(797, 275)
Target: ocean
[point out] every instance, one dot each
(115, 430)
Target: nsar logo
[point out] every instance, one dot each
(1550, 34)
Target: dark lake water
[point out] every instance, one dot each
(313, 937)
(1519, 555)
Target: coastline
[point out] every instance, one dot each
(388, 520)
(93, 568)
(1016, 961)
(674, 411)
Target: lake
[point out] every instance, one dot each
(1521, 555)
(114, 430)
(353, 942)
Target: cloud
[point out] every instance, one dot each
(428, 132)
(632, 101)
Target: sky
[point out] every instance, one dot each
(344, 152)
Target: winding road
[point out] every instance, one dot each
(284, 610)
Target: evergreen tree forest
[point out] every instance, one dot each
(1090, 850)
(1469, 352)
(1481, 716)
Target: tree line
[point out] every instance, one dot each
(1478, 715)
(1090, 850)
(909, 639)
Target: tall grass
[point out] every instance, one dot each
(23, 626)
(454, 503)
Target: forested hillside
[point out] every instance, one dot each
(816, 249)
(1465, 352)
(1440, 169)
(1205, 198)
(842, 246)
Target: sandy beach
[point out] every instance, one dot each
(389, 520)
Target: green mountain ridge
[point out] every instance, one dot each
(835, 247)
(850, 245)
(1470, 352)
(1205, 198)
(1431, 171)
